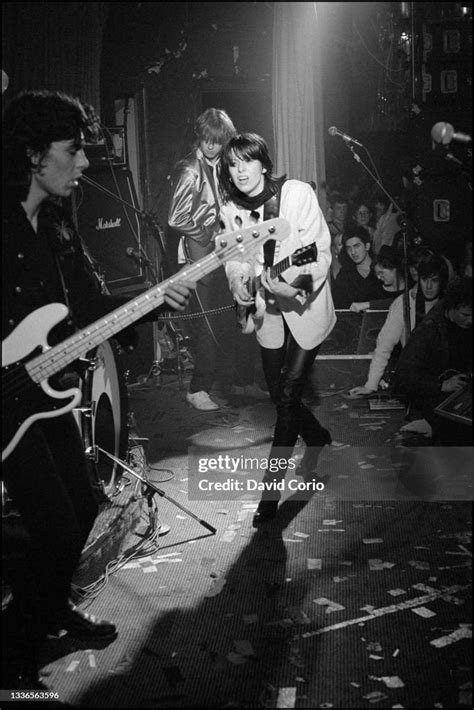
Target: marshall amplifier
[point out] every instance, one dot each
(113, 232)
(110, 151)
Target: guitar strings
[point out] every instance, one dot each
(14, 380)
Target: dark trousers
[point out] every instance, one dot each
(209, 341)
(286, 371)
(245, 356)
(47, 479)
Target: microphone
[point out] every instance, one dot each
(444, 133)
(136, 256)
(333, 131)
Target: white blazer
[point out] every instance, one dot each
(311, 319)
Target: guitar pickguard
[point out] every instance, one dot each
(33, 401)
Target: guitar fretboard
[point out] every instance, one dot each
(230, 246)
(280, 267)
(55, 359)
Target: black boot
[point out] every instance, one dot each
(267, 509)
(83, 626)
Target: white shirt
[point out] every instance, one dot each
(392, 332)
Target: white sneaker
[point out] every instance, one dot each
(201, 400)
(253, 391)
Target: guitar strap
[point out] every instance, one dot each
(271, 209)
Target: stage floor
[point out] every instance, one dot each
(356, 595)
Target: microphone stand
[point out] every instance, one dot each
(151, 489)
(144, 215)
(404, 226)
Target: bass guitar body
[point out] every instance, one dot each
(24, 400)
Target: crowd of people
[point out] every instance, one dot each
(225, 183)
(377, 264)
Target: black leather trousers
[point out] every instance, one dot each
(286, 371)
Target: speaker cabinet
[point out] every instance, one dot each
(109, 228)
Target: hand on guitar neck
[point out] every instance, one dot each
(27, 393)
(250, 302)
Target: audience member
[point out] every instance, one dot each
(356, 281)
(362, 215)
(389, 272)
(337, 255)
(432, 275)
(437, 361)
(386, 223)
(338, 214)
(415, 243)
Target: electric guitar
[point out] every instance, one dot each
(246, 315)
(26, 392)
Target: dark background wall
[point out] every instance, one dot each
(175, 59)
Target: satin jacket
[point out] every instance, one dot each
(194, 207)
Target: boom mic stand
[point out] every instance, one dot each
(404, 227)
(144, 215)
(151, 489)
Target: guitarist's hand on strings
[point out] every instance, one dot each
(177, 294)
(241, 294)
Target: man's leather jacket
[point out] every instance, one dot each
(194, 207)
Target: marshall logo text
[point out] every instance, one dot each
(108, 223)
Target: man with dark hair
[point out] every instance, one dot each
(432, 280)
(49, 293)
(339, 209)
(356, 282)
(437, 361)
(194, 216)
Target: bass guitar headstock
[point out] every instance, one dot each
(243, 243)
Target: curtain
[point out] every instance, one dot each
(298, 117)
(54, 45)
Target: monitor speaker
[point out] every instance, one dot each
(353, 333)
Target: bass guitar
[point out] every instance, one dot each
(26, 393)
(247, 315)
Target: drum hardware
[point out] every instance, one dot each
(92, 453)
(151, 489)
(101, 418)
(171, 356)
(175, 352)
